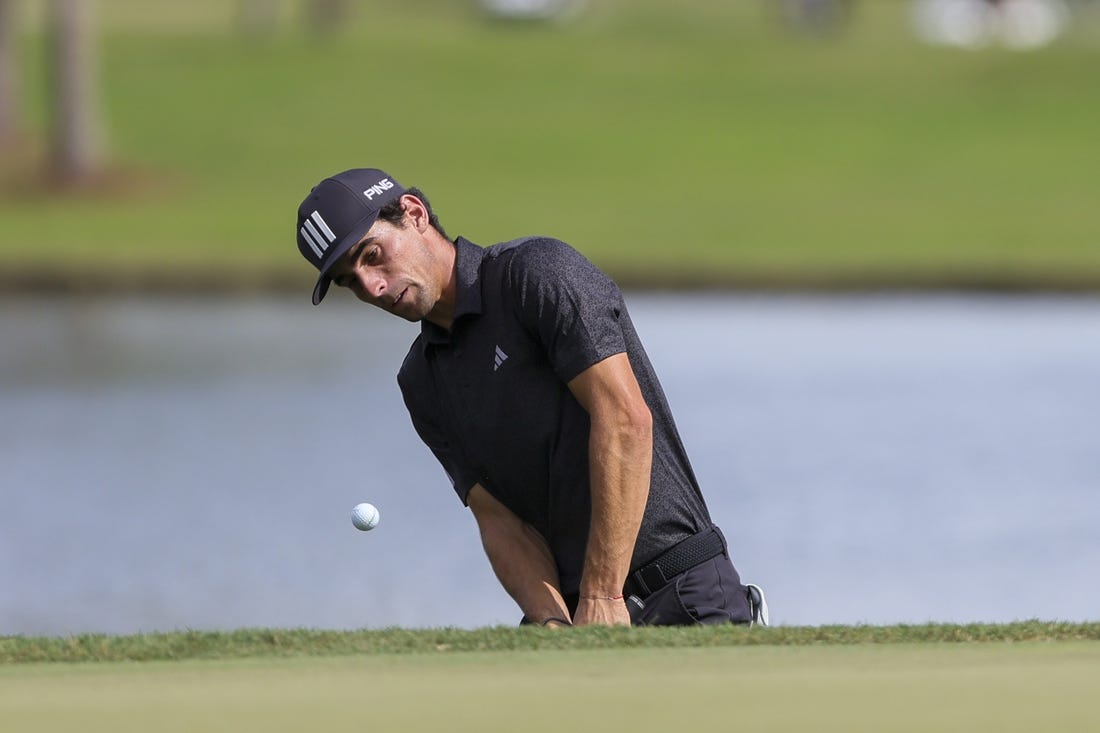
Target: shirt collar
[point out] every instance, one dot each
(468, 257)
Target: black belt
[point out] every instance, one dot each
(682, 556)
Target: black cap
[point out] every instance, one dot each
(337, 213)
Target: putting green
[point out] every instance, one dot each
(896, 687)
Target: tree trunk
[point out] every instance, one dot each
(9, 73)
(76, 146)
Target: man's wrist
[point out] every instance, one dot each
(616, 597)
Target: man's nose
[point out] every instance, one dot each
(373, 284)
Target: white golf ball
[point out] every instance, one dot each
(365, 516)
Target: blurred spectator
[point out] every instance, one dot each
(264, 17)
(1020, 24)
(327, 16)
(532, 9)
(815, 16)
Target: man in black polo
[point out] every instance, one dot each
(530, 386)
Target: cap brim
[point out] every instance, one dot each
(339, 250)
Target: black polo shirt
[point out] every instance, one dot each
(490, 396)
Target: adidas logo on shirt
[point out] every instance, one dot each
(498, 358)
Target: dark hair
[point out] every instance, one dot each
(393, 213)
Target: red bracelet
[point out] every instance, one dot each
(603, 598)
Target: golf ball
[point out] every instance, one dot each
(365, 516)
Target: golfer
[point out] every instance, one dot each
(531, 387)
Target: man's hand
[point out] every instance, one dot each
(601, 610)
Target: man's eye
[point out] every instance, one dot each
(372, 254)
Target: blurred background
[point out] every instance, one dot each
(860, 239)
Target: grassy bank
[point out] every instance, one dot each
(899, 687)
(675, 144)
(249, 643)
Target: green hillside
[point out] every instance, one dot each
(686, 143)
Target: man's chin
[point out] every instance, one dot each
(410, 311)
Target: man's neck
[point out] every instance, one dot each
(442, 314)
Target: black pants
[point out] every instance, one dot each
(708, 593)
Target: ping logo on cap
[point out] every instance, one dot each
(317, 234)
(378, 189)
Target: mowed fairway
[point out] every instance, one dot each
(895, 687)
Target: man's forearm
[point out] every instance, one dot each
(620, 460)
(521, 560)
(527, 571)
(620, 456)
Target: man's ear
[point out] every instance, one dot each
(416, 212)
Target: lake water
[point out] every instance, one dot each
(192, 463)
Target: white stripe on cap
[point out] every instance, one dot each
(321, 241)
(324, 227)
(309, 240)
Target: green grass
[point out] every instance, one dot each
(682, 143)
(1022, 676)
(902, 687)
(247, 643)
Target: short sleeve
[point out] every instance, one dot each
(569, 304)
(417, 390)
